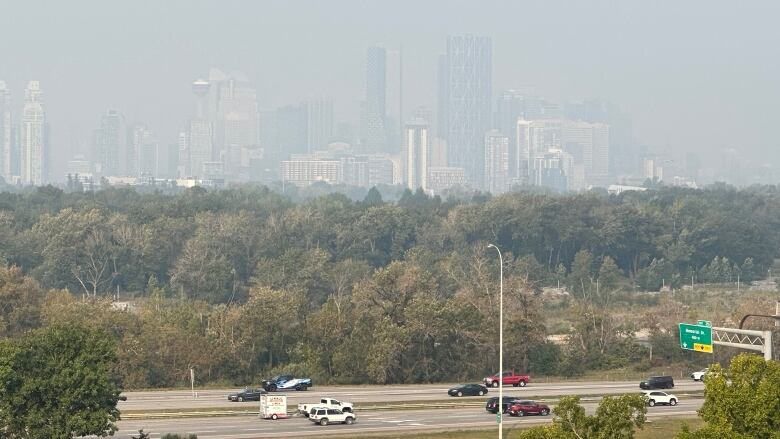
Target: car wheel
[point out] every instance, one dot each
(520, 413)
(481, 392)
(272, 388)
(349, 420)
(240, 399)
(672, 401)
(298, 388)
(274, 417)
(495, 384)
(651, 403)
(459, 393)
(544, 412)
(522, 383)
(324, 421)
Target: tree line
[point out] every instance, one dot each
(245, 282)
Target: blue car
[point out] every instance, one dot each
(286, 382)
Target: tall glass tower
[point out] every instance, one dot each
(468, 87)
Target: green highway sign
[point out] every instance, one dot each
(704, 323)
(696, 337)
(498, 418)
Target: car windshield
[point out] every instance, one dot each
(277, 378)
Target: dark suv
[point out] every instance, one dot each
(659, 382)
(492, 404)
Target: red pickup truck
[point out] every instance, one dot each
(508, 378)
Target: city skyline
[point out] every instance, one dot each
(164, 102)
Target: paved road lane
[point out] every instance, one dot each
(210, 399)
(376, 422)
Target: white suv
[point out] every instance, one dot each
(325, 416)
(656, 397)
(698, 376)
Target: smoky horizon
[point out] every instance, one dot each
(685, 92)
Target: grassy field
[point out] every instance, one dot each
(659, 429)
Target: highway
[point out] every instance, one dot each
(396, 422)
(213, 399)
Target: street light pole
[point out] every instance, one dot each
(500, 344)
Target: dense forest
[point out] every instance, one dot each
(243, 282)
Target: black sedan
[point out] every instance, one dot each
(468, 390)
(246, 395)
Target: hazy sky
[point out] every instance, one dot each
(697, 75)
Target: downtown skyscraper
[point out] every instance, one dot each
(34, 149)
(5, 133)
(466, 102)
(496, 162)
(416, 154)
(319, 123)
(376, 106)
(110, 155)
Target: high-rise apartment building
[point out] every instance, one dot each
(468, 66)
(496, 162)
(110, 155)
(375, 106)
(34, 149)
(416, 153)
(5, 133)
